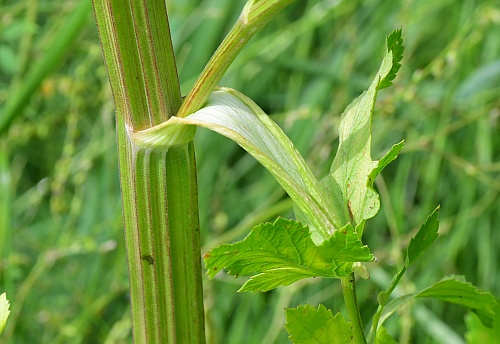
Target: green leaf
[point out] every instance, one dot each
(424, 238)
(308, 325)
(383, 337)
(4, 311)
(237, 117)
(345, 246)
(391, 155)
(478, 333)
(394, 45)
(280, 253)
(350, 181)
(456, 290)
(453, 289)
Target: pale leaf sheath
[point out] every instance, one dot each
(237, 117)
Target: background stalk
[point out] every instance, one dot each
(19, 95)
(159, 192)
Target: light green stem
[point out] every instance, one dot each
(351, 303)
(383, 298)
(163, 244)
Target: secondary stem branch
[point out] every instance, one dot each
(255, 15)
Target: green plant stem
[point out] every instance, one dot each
(383, 298)
(351, 303)
(163, 244)
(254, 16)
(159, 191)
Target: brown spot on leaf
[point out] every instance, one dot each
(351, 215)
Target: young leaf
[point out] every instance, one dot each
(452, 289)
(391, 155)
(237, 117)
(308, 325)
(280, 253)
(350, 181)
(394, 44)
(4, 311)
(424, 238)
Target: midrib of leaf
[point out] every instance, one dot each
(158, 186)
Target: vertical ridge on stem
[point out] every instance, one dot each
(158, 186)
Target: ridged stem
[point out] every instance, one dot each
(159, 192)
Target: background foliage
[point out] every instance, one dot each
(63, 261)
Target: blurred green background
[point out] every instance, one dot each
(63, 262)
